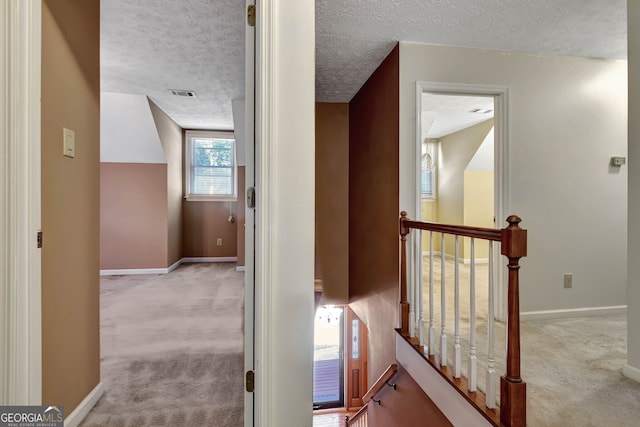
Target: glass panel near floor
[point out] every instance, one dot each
(328, 360)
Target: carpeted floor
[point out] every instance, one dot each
(172, 349)
(573, 370)
(172, 355)
(572, 367)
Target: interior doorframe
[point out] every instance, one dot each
(502, 128)
(284, 216)
(20, 206)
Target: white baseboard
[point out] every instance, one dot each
(174, 265)
(210, 259)
(240, 268)
(572, 312)
(631, 372)
(134, 271)
(465, 261)
(82, 410)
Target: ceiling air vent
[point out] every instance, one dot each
(481, 111)
(180, 92)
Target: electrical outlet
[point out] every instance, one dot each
(568, 280)
(219, 242)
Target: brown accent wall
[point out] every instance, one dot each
(408, 406)
(133, 222)
(373, 209)
(332, 201)
(70, 201)
(240, 219)
(171, 139)
(204, 223)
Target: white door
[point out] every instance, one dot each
(249, 281)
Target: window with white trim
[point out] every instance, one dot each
(428, 170)
(210, 165)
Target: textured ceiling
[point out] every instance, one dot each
(445, 114)
(150, 46)
(353, 36)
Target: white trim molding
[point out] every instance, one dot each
(572, 312)
(20, 263)
(284, 231)
(133, 271)
(631, 372)
(241, 268)
(82, 410)
(190, 260)
(209, 259)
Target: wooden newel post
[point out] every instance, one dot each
(404, 304)
(512, 388)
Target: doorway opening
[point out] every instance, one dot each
(457, 159)
(462, 172)
(328, 357)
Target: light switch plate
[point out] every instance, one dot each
(68, 142)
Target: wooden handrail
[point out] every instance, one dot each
(380, 383)
(373, 390)
(513, 241)
(459, 230)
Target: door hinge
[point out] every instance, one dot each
(251, 15)
(39, 239)
(249, 381)
(251, 198)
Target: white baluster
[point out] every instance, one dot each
(443, 307)
(432, 330)
(411, 284)
(473, 362)
(492, 375)
(420, 294)
(457, 352)
(417, 280)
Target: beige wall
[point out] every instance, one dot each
(70, 201)
(332, 201)
(429, 211)
(478, 209)
(373, 210)
(456, 151)
(240, 215)
(560, 110)
(203, 224)
(405, 405)
(633, 284)
(171, 138)
(133, 220)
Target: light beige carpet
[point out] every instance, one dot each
(172, 349)
(572, 367)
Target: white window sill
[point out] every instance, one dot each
(203, 198)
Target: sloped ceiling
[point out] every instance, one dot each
(150, 46)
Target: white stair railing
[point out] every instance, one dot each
(512, 241)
